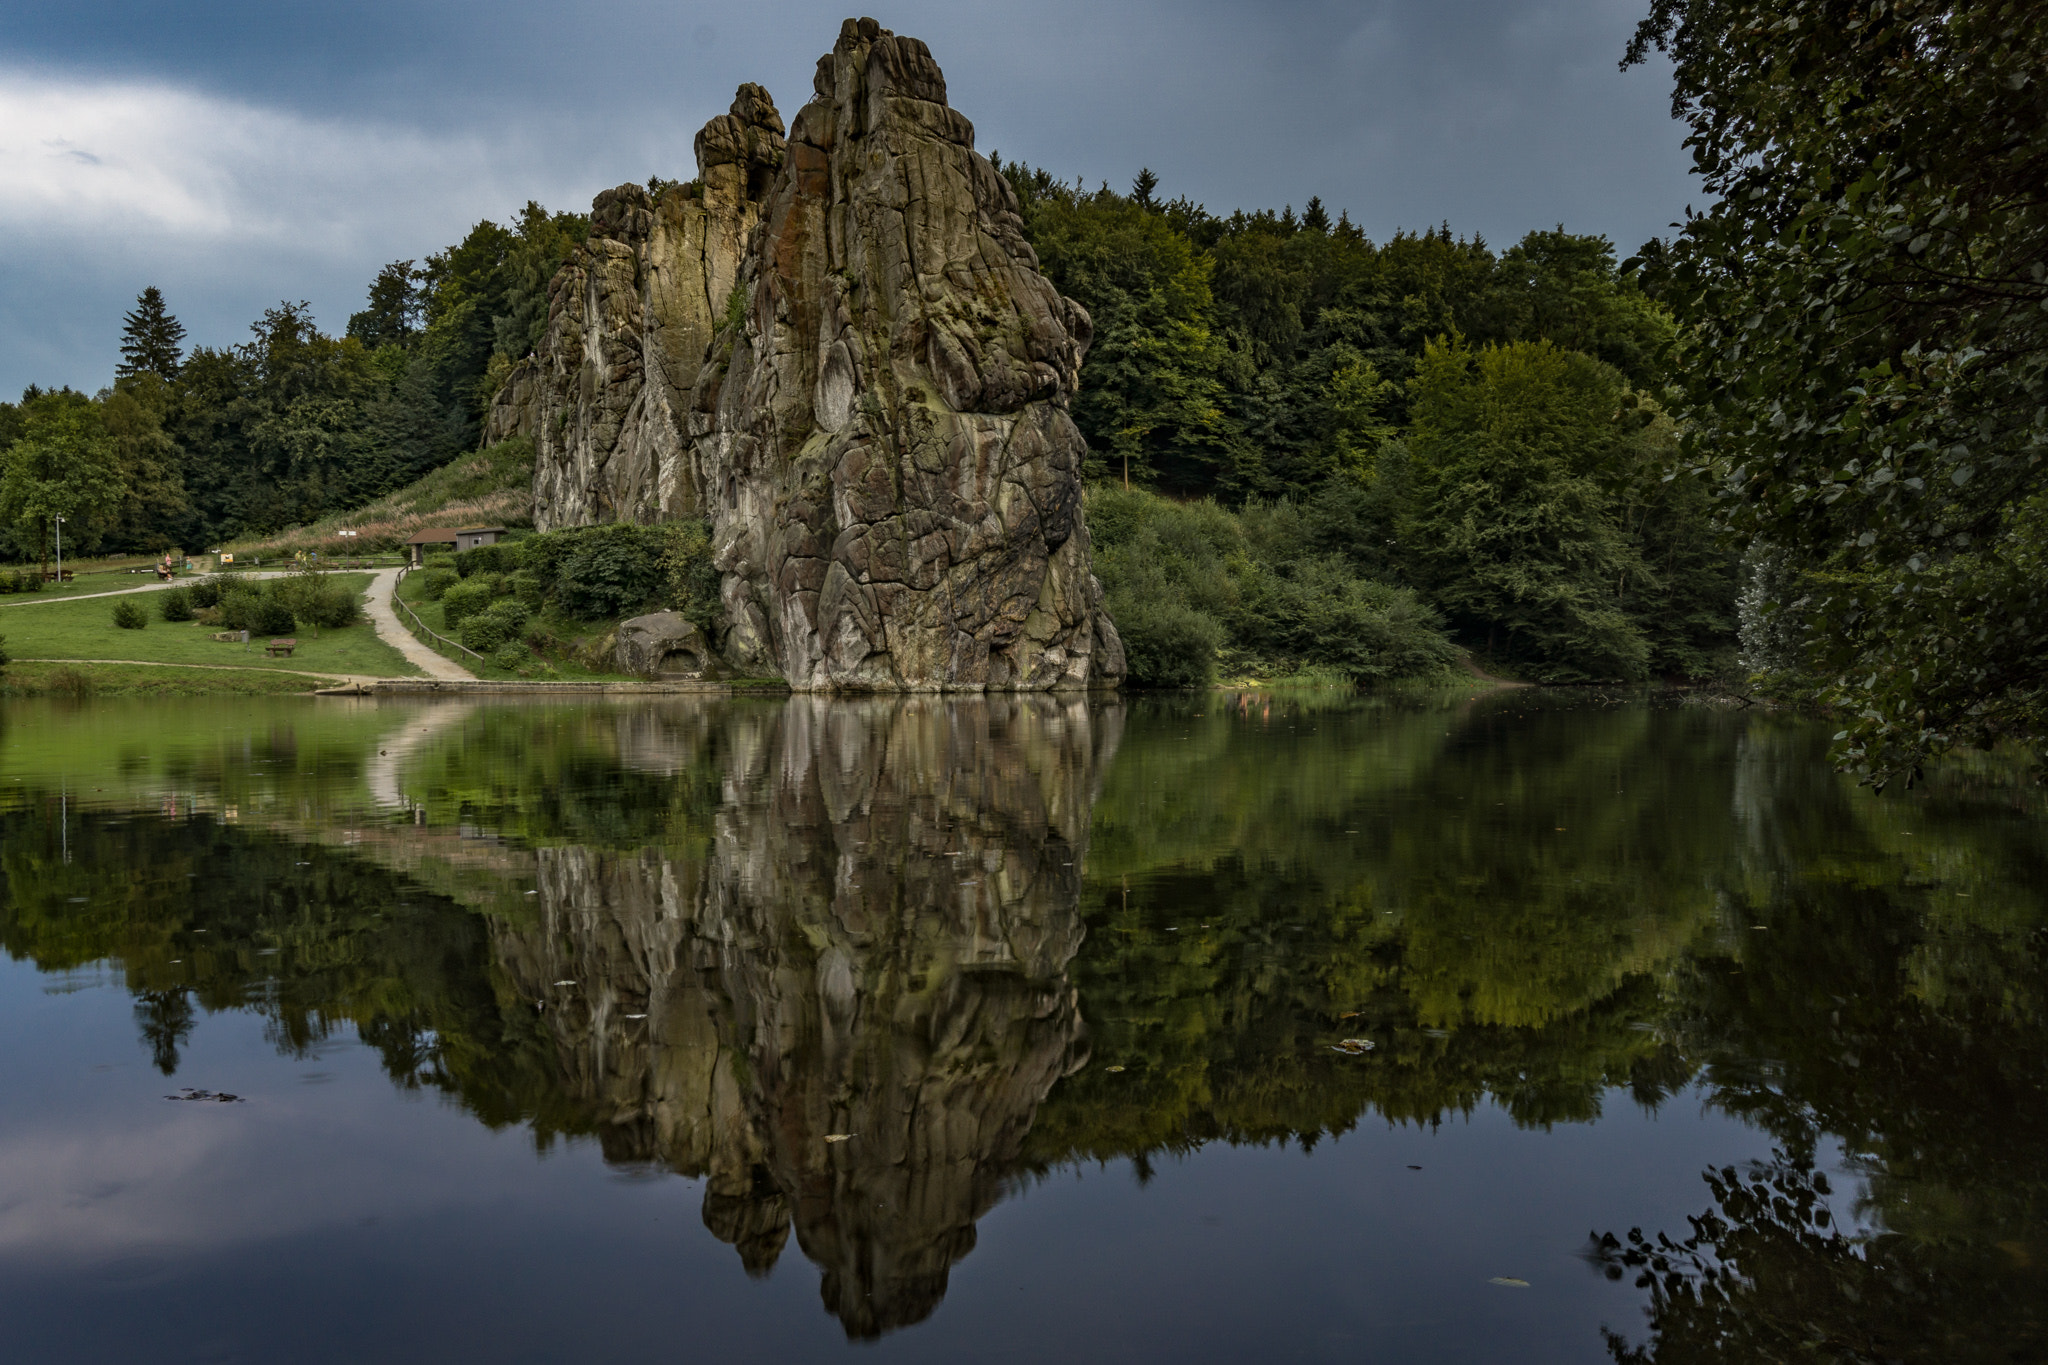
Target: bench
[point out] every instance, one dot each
(277, 647)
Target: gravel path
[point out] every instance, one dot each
(377, 606)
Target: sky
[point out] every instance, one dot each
(239, 153)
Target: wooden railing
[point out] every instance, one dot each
(421, 626)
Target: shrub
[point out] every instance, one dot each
(526, 586)
(511, 656)
(435, 582)
(610, 571)
(442, 560)
(495, 626)
(175, 604)
(207, 591)
(5, 657)
(465, 599)
(272, 616)
(500, 558)
(690, 578)
(129, 615)
(238, 606)
(334, 606)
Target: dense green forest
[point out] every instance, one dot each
(187, 449)
(1413, 434)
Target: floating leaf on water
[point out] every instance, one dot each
(565, 983)
(1353, 1015)
(1509, 1281)
(1112, 1068)
(220, 1097)
(840, 1137)
(1353, 1045)
(1438, 1032)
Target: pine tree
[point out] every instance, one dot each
(1142, 187)
(151, 339)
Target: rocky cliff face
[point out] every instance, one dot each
(837, 347)
(845, 1013)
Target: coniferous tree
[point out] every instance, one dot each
(152, 341)
(1142, 187)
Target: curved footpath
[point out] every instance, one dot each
(377, 606)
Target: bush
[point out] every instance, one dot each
(691, 579)
(527, 588)
(482, 559)
(435, 582)
(207, 591)
(465, 599)
(238, 607)
(495, 626)
(129, 615)
(5, 657)
(599, 571)
(334, 606)
(175, 604)
(272, 616)
(444, 559)
(511, 656)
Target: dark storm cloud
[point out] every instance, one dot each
(239, 153)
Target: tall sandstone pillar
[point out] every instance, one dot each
(835, 346)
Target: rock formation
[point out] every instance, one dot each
(845, 1010)
(836, 346)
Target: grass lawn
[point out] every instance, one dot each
(35, 628)
(143, 680)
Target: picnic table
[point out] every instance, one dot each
(277, 647)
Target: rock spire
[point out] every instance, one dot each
(835, 346)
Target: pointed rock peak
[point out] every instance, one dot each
(752, 106)
(738, 153)
(855, 34)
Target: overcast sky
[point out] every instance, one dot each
(239, 152)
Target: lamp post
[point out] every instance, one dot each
(60, 552)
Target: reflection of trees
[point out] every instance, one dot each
(1872, 1010)
(1396, 873)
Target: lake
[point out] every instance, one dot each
(1473, 1026)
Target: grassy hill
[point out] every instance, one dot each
(489, 487)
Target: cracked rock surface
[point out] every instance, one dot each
(835, 346)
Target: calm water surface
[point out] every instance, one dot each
(1517, 1026)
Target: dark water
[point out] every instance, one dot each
(1515, 1027)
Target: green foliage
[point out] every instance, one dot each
(129, 615)
(689, 577)
(1867, 362)
(512, 656)
(272, 615)
(489, 559)
(465, 599)
(1187, 584)
(435, 582)
(175, 604)
(1515, 453)
(62, 465)
(206, 592)
(152, 341)
(494, 626)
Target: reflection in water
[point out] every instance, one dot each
(717, 937)
(845, 1009)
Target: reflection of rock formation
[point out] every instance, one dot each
(874, 944)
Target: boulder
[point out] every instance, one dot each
(664, 642)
